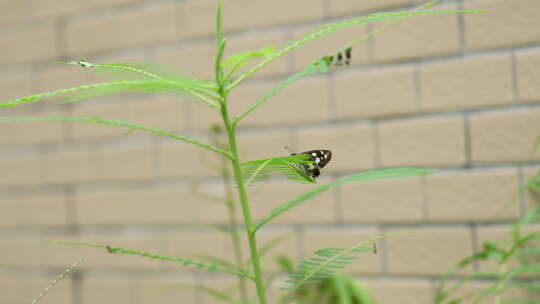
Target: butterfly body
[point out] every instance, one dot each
(320, 159)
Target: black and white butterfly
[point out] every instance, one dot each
(341, 58)
(320, 159)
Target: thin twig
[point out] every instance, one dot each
(53, 283)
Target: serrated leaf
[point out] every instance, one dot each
(236, 61)
(133, 77)
(286, 165)
(116, 123)
(183, 261)
(309, 275)
(359, 177)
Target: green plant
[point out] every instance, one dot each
(515, 257)
(154, 78)
(338, 288)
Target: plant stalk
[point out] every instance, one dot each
(233, 224)
(248, 221)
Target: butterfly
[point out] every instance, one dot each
(340, 59)
(320, 159)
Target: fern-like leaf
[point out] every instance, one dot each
(287, 165)
(117, 123)
(130, 77)
(236, 61)
(327, 262)
(358, 177)
(184, 261)
(336, 27)
(320, 66)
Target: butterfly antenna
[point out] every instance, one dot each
(290, 150)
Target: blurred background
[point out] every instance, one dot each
(458, 93)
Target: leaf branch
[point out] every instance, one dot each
(118, 123)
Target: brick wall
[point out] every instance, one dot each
(459, 93)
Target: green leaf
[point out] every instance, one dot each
(339, 285)
(213, 259)
(266, 247)
(319, 66)
(134, 77)
(336, 27)
(285, 263)
(359, 293)
(358, 177)
(315, 269)
(117, 123)
(236, 61)
(153, 256)
(287, 165)
(55, 281)
(528, 286)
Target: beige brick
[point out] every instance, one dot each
(528, 75)
(66, 76)
(190, 244)
(126, 164)
(126, 30)
(472, 196)
(531, 197)
(28, 44)
(17, 87)
(165, 291)
(472, 289)
(33, 210)
(19, 171)
(87, 131)
(467, 83)
(263, 145)
(137, 207)
(20, 290)
(32, 253)
(196, 59)
(15, 11)
(185, 160)
(316, 49)
(223, 284)
(70, 166)
(345, 7)
(352, 146)
(427, 251)
(200, 15)
(209, 204)
(103, 290)
(405, 291)
(286, 245)
(345, 238)
(202, 116)
(161, 113)
(423, 141)
(506, 23)
(101, 258)
(300, 102)
(420, 36)
(382, 201)
(32, 132)
(504, 136)
(63, 7)
(265, 197)
(375, 93)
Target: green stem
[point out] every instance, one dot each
(248, 221)
(233, 223)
